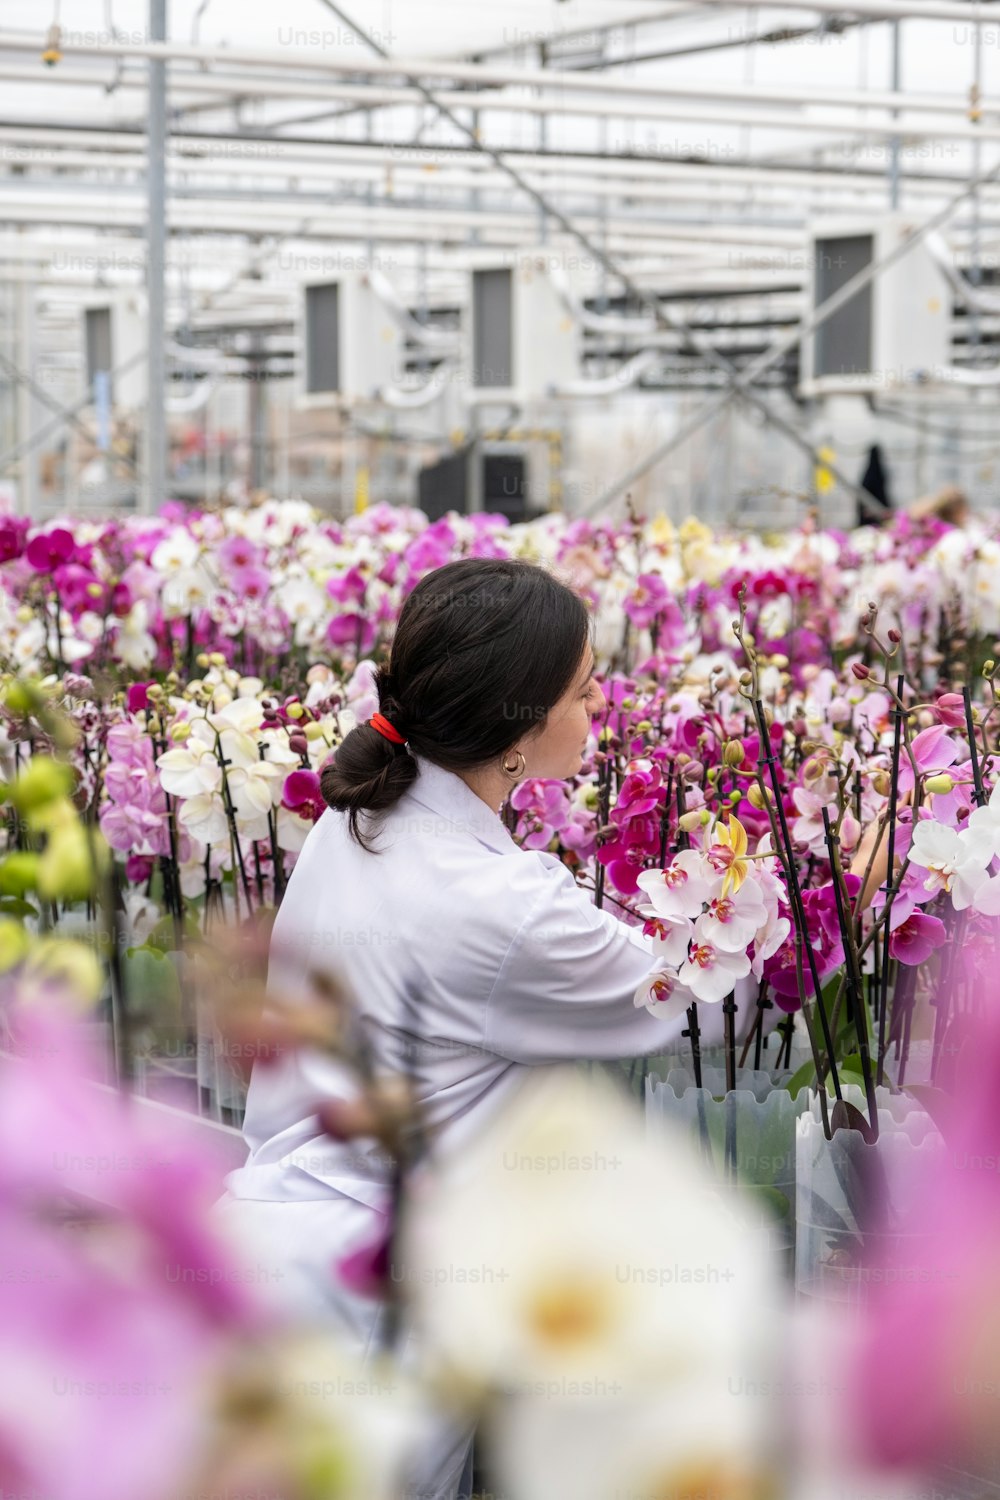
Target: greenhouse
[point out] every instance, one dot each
(499, 750)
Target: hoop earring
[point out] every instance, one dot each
(515, 771)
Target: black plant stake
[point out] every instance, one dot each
(977, 774)
(853, 972)
(890, 887)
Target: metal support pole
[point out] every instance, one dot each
(975, 272)
(256, 374)
(27, 489)
(153, 492)
(894, 144)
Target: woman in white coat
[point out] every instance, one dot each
(471, 959)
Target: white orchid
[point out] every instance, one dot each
(710, 972)
(243, 714)
(191, 770)
(204, 816)
(681, 890)
(662, 994)
(293, 830)
(176, 552)
(671, 937)
(983, 827)
(732, 921)
(602, 1254)
(254, 790)
(955, 862)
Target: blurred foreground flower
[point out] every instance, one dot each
(588, 1282)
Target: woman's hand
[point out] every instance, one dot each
(877, 833)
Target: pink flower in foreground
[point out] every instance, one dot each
(109, 1334)
(929, 1359)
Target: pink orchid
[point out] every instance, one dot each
(238, 553)
(354, 630)
(647, 598)
(47, 549)
(914, 939)
(950, 709)
(302, 794)
(932, 751)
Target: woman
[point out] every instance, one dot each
(471, 960)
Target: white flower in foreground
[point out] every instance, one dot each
(955, 862)
(561, 1244)
(682, 889)
(711, 973)
(714, 1440)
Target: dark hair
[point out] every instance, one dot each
(483, 646)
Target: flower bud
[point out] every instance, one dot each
(201, 660)
(14, 943)
(882, 783)
(814, 768)
(19, 873)
(68, 869)
(895, 637)
(860, 671)
(314, 730)
(690, 821)
(179, 730)
(295, 710)
(989, 667)
(757, 798)
(942, 783)
(42, 781)
(298, 742)
(733, 753)
(746, 679)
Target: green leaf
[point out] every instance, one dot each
(15, 906)
(934, 1100)
(802, 1078)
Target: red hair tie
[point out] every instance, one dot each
(379, 722)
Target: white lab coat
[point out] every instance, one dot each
(472, 960)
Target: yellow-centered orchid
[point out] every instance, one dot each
(728, 854)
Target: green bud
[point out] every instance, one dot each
(66, 870)
(43, 780)
(14, 943)
(18, 873)
(73, 965)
